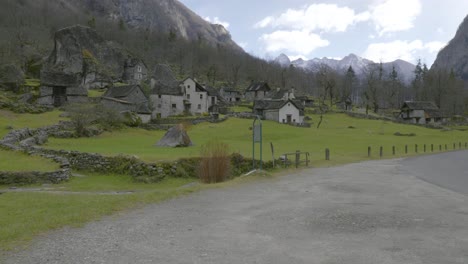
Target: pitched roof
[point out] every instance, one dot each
(420, 105)
(259, 86)
(275, 104)
(430, 108)
(121, 91)
(166, 89)
(212, 91)
(198, 87)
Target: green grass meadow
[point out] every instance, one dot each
(347, 138)
(18, 161)
(24, 215)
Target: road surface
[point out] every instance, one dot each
(364, 213)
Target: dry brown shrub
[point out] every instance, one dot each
(215, 165)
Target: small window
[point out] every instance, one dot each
(174, 106)
(201, 96)
(199, 107)
(188, 96)
(289, 104)
(159, 96)
(188, 86)
(139, 68)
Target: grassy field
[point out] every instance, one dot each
(16, 121)
(15, 161)
(346, 137)
(28, 214)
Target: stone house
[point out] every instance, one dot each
(282, 111)
(58, 88)
(189, 97)
(135, 71)
(231, 96)
(129, 98)
(421, 112)
(257, 91)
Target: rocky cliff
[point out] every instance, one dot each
(454, 56)
(159, 15)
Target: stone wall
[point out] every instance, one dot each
(34, 177)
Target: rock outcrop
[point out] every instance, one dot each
(454, 56)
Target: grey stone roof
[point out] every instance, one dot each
(163, 74)
(275, 104)
(259, 86)
(420, 105)
(167, 89)
(121, 91)
(430, 108)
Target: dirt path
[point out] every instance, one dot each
(371, 212)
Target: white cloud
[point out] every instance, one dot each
(434, 46)
(395, 15)
(315, 17)
(218, 21)
(299, 42)
(404, 50)
(243, 44)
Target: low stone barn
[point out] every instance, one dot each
(59, 88)
(128, 98)
(257, 91)
(231, 96)
(421, 112)
(282, 111)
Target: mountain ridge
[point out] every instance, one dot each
(359, 64)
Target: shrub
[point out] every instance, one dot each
(215, 162)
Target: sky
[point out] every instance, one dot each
(379, 30)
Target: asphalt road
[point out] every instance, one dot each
(448, 170)
(364, 213)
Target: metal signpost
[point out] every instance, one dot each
(257, 138)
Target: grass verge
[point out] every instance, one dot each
(26, 214)
(15, 161)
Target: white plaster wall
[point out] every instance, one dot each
(164, 104)
(290, 109)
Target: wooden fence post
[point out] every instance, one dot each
(416, 148)
(298, 157)
(369, 151)
(381, 151)
(327, 154)
(454, 146)
(424, 148)
(432, 147)
(393, 150)
(406, 149)
(446, 148)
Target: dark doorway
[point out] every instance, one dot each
(59, 96)
(289, 118)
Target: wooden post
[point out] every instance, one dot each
(432, 147)
(327, 154)
(381, 151)
(440, 147)
(273, 154)
(466, 145)
(446, 148)
(424, 148)
(369, 151)
(454, 146)
(298, 158)
(459, 145)
(307, 159)
(416, 148)
(393, 150)
(406, 149)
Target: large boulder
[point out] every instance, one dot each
(82, 56)
(175, 137)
